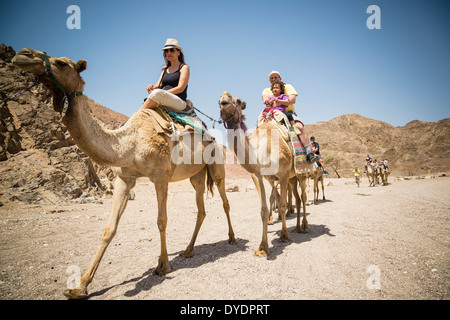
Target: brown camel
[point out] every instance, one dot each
(371, 175)
(135, 150)
(317, 175)
(263, 154)
(384, 175)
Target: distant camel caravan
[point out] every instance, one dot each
(264, 154)
(375, 173)
(136, 150)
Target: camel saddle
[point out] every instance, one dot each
(277, 118)
(169, 122)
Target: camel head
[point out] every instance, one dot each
(231, 109)
(65, 71)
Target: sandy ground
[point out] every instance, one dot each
(387, 242)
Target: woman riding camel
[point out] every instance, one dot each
(170, 90)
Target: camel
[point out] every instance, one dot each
(134, 150)
(384, 175)
(263, 154)
(317, 175)
(377, 175)
(371, 175)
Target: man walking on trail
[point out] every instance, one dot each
(357, 175)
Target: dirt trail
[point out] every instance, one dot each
(365, 243)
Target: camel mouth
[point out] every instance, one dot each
(225, 99)
(21, 60)
(28, 60)
(224, 103)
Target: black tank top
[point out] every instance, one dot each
(171, 80)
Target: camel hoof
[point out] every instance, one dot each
(187, 254)
(75, 293)
(305, 228)
(232, 240)
(161, 270)
(260, 253)
(285, 237)
(270, 222)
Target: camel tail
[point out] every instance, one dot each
(209, 181)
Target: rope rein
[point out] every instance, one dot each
(210, 118)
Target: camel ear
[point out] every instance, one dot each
(242, 103)
(81, 65)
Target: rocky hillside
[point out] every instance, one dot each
(39, 162)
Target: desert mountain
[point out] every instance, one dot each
(39, 162)
(418, 148)
(414, 149)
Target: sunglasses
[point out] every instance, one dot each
(169, 50)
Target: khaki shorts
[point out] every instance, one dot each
(168, 100)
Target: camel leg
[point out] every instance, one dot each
(263, 249)
(218, 175)
(284, 181)
(304, 227)
(273, 201)
(316, 190)
(290, 209)
(161, 187)
(122, 189)
(294, 183)
(308, 190)
(198, 182)
(323, 188)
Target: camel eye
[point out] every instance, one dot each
(61, 63)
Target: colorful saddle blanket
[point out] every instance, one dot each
(299, 152)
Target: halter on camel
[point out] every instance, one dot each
(68, 95)
(236, 109)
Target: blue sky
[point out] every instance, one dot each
(396, 74)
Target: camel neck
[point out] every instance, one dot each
(246, 154)
(101, 144)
